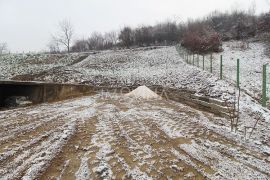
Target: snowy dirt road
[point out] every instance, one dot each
(108, 136)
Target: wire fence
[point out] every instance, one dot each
(206, 63)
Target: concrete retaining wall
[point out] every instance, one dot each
(49, 92)
(41, 92)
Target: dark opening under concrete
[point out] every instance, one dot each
(39, 92)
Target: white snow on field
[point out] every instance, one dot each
(134, 139)
(83, 172)
(210, 157)
(21, 64)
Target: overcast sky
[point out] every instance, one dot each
(26, 25)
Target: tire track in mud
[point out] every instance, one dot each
(43, 114)
(221, 147)
(28, 119)
(27, 132)
(21, 135)
(132, 150)
(67, 163)
(28, 160)
(125, 139)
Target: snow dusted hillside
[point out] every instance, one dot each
(129, 138)
(30, 64)
(118, 68)
(159, 66)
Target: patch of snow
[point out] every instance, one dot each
(83, 172)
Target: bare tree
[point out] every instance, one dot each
(65, 34)
(96, 41)
(126, 36)
(3, 48)
(80, 46)
(54, 46)
(252, 9)
(111, 37)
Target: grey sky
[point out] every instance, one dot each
(26, 25)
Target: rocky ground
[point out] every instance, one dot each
(109, 136)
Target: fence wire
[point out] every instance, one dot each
(212, 67)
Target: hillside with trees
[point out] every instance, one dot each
(199, 35)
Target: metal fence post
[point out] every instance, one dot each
(238, 74)
(211, 63)
(264, 98)
(198, 60)
(203, 62)
(221, 66)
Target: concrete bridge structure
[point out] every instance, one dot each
(39, 92)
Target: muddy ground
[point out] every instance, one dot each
(108, 136)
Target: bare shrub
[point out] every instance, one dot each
(264, 22)
(95, 41)
(126, 36)
(167, 33)
(234, 111)
(110, 39)
(201, 38)
(258, 117)
(143, 36)
(80, 46)
(235, 25)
